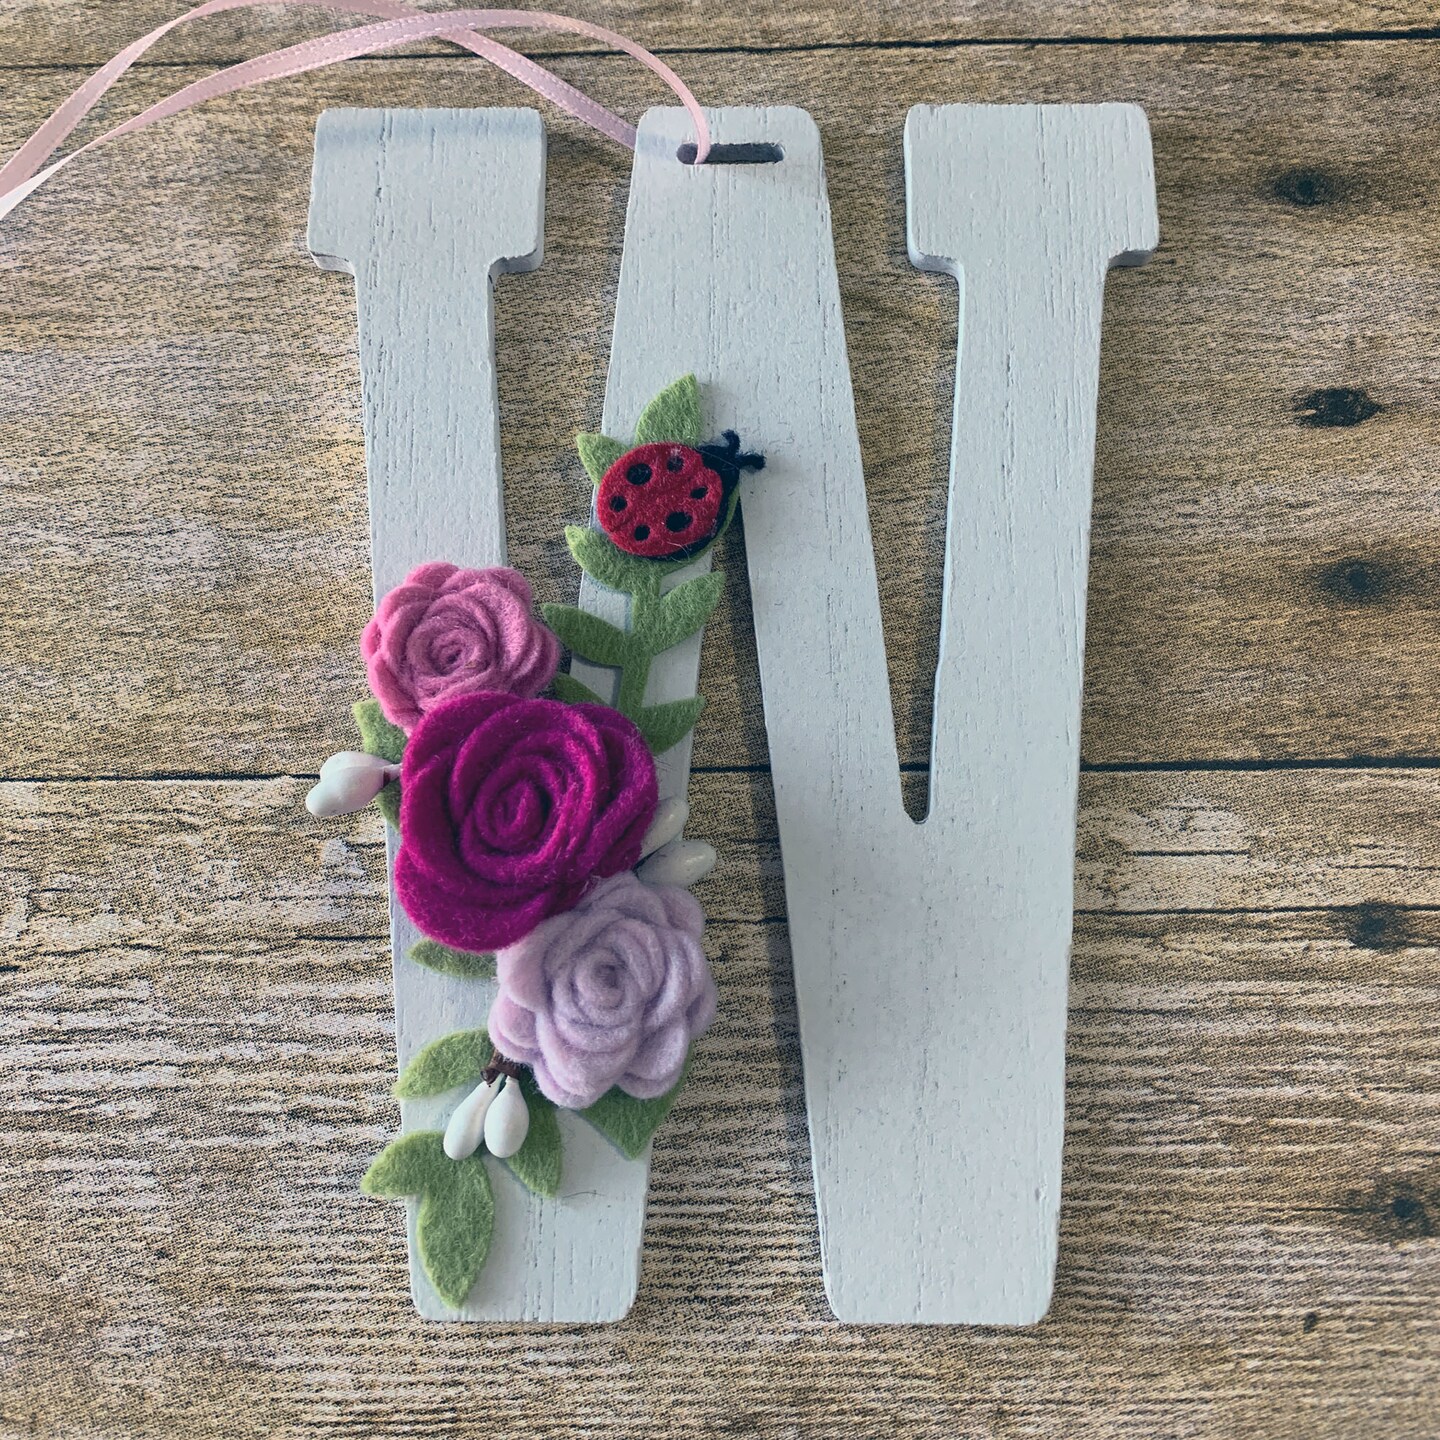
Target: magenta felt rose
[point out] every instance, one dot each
(609, 993)
(510, 809)
(446, 632)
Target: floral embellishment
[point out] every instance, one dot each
(610, 993)
(445, 632)
(511, 809)
(522, 819)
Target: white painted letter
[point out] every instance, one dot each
(931, 961)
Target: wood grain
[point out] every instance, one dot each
(181, 458)
(195, 1010)
(193, 994)
(89, 32)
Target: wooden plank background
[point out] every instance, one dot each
(194, 995)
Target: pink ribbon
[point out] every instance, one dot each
(23, 174)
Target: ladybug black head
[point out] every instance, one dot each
(724, 458)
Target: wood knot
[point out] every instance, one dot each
(1306, 187)
(1337, 405)
(1357, 582)
(1311, 1320)
(1410, 1210)
(1375, 925)
(1398, 1210)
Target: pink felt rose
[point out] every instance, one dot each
(510, 809)
(446, 631)
(609, 993)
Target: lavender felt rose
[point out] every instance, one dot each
(510, 809)
(609, 993)
(446, 631)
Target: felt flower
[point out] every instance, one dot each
(511, 808)
(609, 993)
(446, 632)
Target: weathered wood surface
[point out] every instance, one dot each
(91, 31)
(195, 1015)
(180, 445)
(193, 993)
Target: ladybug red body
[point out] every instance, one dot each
(664, 501)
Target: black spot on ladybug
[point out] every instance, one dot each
(678, 520)
(699, 492)
(638, 474)
(617, 502)
(675, 463)
(642, 532)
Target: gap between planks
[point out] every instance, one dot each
(1238, 37)
(909, 769)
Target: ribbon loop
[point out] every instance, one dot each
(401, 24)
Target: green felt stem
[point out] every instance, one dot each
(656, 622)
(635, 673)
(633, 679)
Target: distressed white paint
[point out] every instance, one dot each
(424, 208)
(931, 961)
(1027, 206)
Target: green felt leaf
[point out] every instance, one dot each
(453, 1229)
(587, 635)
(597, 454)
(668, 724)
(629, 1123)
(404, 1167)
(573, 692)
(607, 563)
(388, 801)
(435, 956)
(377, 735)
(674, 414)
(681, 612)
(457, 1207)
(537, 1162)
(452, 1060)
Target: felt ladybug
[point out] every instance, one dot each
(665, 501)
